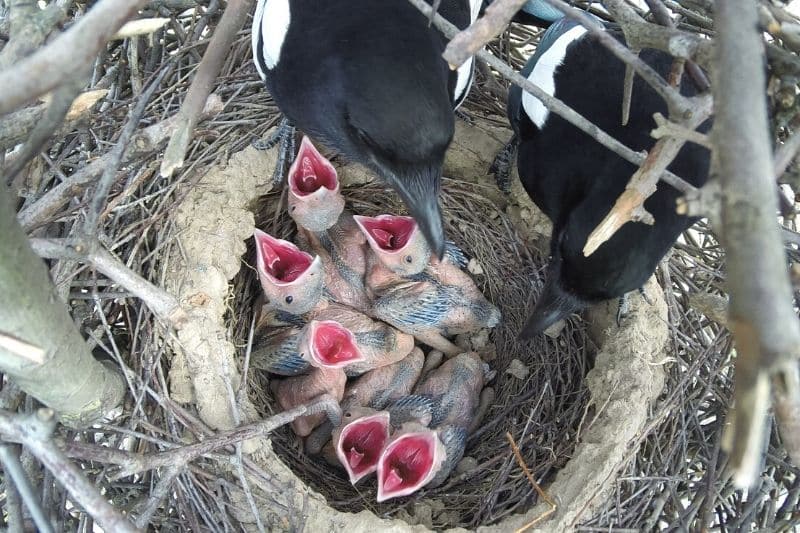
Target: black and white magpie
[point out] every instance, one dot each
(575, 181)
(367, 79)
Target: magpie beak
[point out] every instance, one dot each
(419, 189)
(553, 304)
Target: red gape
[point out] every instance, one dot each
(361, 443)
(334, 345)
(285, 263)
(406, 465)
(311, 171)
(388, 231)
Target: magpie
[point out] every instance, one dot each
(367, 79)
(575, 181)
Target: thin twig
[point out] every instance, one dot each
(231, 22)
(115, 155)
(555, 105)
(533, 483)
(34, 432)
(13, 469)
(495, 19)
(70, 52)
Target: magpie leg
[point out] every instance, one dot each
(284, 136)
(463, 116)
(623, 308)
(501, 166)
(645, 297)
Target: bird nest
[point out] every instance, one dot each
(621, 426)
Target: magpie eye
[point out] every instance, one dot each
(289, 299)
(409, 259)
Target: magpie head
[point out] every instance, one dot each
(397, 118)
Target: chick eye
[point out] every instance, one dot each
(409, 259)
(289, 299)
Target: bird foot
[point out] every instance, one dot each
(463, 116)
(501, 166)
(625, 304)
(319, 438)
(283, 136)
(325, 403)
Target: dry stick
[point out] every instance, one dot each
(495, 19)
(764, 324)
(34, 431)
(13, 469)
(30, 26)
(785, 154)
(144, 142)
(159, 492)
(629, 207)
(533, 483)
(49, 122)
(555, 105)
(662, 16)
(134, 464)
(218, 49)
(70, 52)
(115, 155)
(158, 300)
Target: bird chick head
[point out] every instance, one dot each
(397, 242)
(409, 462)
(292, 279)
(314, 200)
(360, 440)
(328, 344)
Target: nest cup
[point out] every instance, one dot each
(540, 393)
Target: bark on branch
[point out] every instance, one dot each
(765, 327)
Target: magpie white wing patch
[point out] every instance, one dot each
(270, 25)
(543, 75)
(465, 71)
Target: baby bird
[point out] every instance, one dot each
(325, 228)
(376, 390)
(417, 293)
(360, 440)
(454, 401)
(321, 384)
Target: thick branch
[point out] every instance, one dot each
(764, 324)
(490, 25)
(34, 431)
(72, 51)
(555, 105)
(218, 49)
(158, 300)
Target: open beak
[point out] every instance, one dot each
(409, 462)
(359, 444)
(330, 345)
(420, 192)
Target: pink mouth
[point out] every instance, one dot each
(361, 444)
(279, 259)
(388, 232)
(333, 345)
(311, 171)
(406, 465)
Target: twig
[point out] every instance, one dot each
(50, 121)
(157, 495)
(115, 155)
(495, 19)
(231, 22)
(533, 483)
(183, 455)
(555, 105)
(30, 26)
(676, 102)
(145, 141)
(70, 52)
(784, 155)
(13, 469)
(158, 300)
(667, 128)
(630, 205)
(764, 324)
(34, 431)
